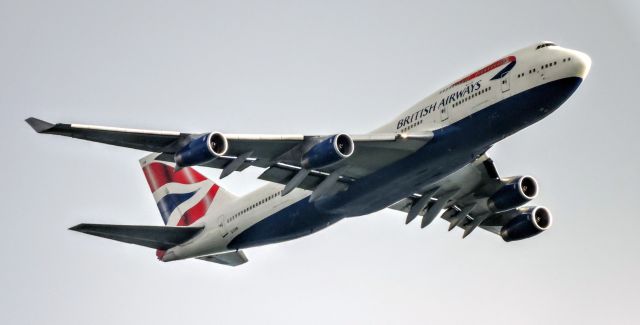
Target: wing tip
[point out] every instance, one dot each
(78, 227)
(39, 125)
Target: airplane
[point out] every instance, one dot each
(429, 161)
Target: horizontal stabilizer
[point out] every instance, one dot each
(232, 258)
(158, 237)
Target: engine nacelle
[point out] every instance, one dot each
(515, 193)
(202, 149)
(530, 222)
(328, 151)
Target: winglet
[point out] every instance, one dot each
(39, 126)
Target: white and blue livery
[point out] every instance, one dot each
(429, 161)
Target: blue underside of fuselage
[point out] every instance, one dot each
(451, 148)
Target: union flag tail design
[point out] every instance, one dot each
(182, 196)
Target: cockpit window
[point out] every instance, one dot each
(545, 45)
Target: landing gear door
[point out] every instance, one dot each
(505, 83)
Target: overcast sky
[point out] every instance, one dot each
(314, 67)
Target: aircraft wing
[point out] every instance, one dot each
(463, 198)
(155, 141)
(158, 237)
(372, 151)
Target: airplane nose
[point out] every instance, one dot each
(581, 64)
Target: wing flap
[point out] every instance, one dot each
(218, 163)
(283, 173)
(158, 237)
(471, 183)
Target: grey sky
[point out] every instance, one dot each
(314, 67)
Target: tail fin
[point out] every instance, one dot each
(182, 196)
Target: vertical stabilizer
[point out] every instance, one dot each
(182, 196)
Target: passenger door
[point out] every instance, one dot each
(221, 226)
(444, 114)
(505, 83)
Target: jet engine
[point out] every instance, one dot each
(202, 149)
(516, 192)
(328, 151)
(529, 222)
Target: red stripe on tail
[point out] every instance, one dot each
(159, 174)
(200, 209)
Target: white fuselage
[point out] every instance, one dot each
(521, 71)
(529, 72)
